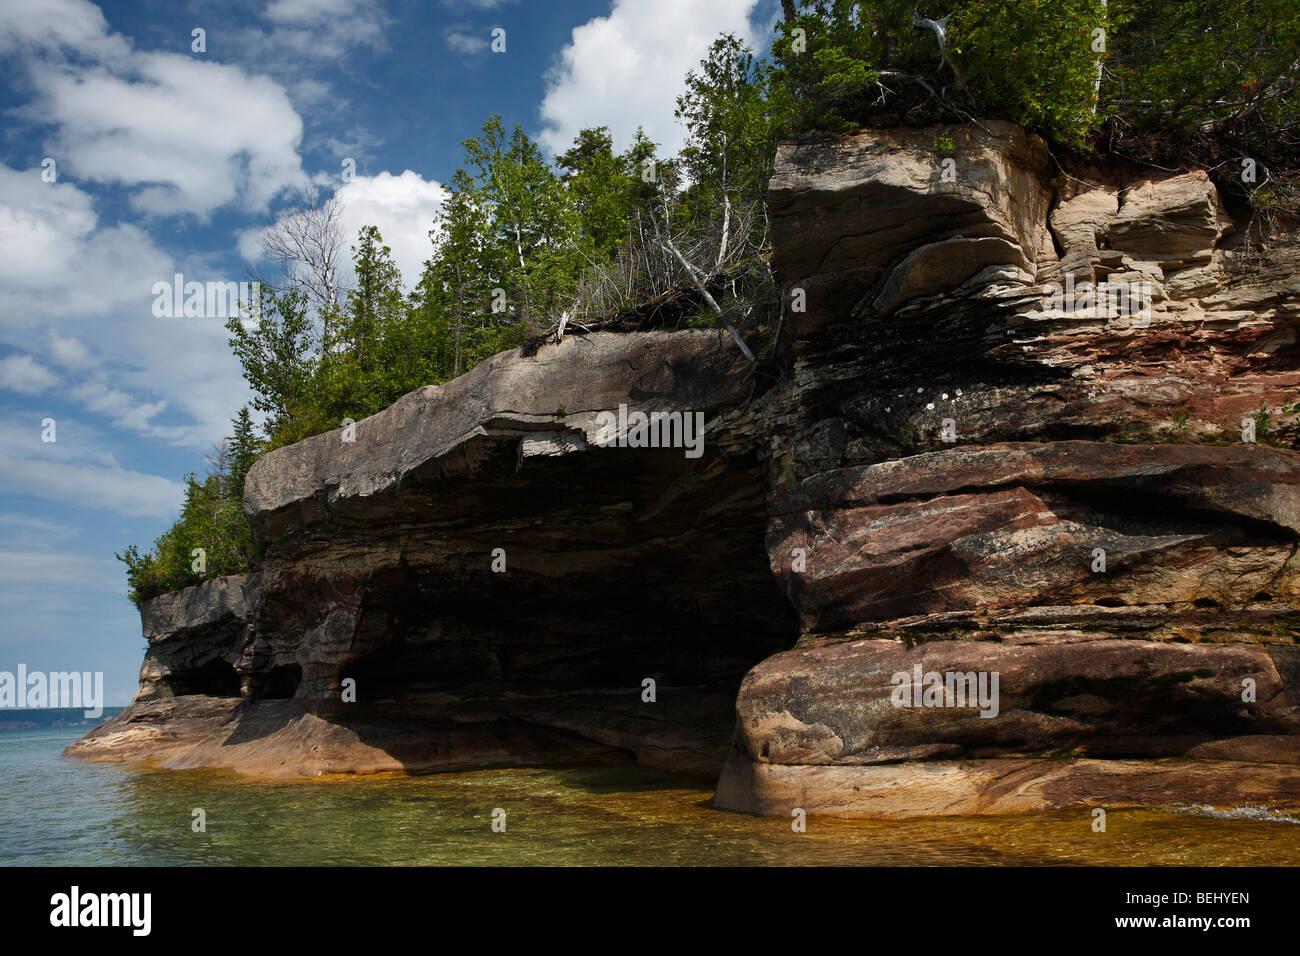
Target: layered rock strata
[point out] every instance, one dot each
(1007, 519)
(1003, 469)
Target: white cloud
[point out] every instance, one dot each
(466, 44)
(626, 69)
(124, 410)
(59, 270)
(309, 11)
(53, 25)
(69, 352)
(402, 207)
(57, 264)
(123, 492)
(305, 32)
(22, 373)
(192, 135)
(25, 531)
(78, 443)
(41, 226)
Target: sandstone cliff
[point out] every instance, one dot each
(940, 464)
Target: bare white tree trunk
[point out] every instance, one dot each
(1096, 84)
(308, 243)
(699, 284)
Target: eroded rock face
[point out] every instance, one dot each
(613, 566)
(196, 637)
(981, 536)
(982, 532)
(1013, 593)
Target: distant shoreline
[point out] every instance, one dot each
(19, 718)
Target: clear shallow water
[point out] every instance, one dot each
(54, 810)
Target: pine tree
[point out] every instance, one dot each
(244, 450)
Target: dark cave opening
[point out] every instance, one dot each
(280, 682)
(216, 678)
(673, 590)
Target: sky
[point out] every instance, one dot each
(133, 149)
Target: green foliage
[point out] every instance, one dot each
(607, 191)
(1174, 68)
(244, 450)
(729, 118)
(1214, 83)
(1185, 65)
(211, 519)
(529, 220)
(1033, 62)
(828, 60)
(275, 353)
(1025, 60)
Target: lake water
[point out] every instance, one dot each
(55, 810)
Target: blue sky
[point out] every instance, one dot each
(167, 160)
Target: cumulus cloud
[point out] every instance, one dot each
(50, 235)
(626, 69)
(138, 365)
(192, 135)
(402, 207)
(53, 26)
(41, 226)
(22, 373)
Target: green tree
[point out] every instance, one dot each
(531, 222)
(373, 303)
(1228, 69)
(244, 450)
(276, 354)
(464, 267)
(731, 129)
